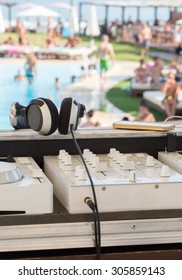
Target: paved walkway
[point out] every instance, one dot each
(91, 93)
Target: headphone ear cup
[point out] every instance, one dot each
(42, 116)
(64, 115)
(17, 116)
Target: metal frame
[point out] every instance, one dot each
(80, 235)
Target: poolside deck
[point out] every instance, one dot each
(91, 91)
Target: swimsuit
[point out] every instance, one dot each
(104, 64)
(29, 74)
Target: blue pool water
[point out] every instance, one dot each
(42, 86)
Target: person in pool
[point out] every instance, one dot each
(19, 76)
(30, 67)
(57, 83)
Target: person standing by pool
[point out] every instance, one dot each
(146, 35)
(105, 54)
(30, 67)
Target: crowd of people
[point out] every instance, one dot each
(143, 35)
(150, 72)
(166, 78)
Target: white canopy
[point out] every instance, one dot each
(61, 5)
(38, 11)
(92, 24)
(25, 6)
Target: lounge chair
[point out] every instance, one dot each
(16, 50)
(154, 100)
(137, 89)
(65, 53)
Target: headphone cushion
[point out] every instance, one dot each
(21, 123)
(64, 115)
(44, 122)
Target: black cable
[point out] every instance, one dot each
(91, 205)
(95, 205)
(96, 212)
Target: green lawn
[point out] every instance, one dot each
(120, 96)
(34, 39)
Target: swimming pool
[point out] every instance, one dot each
(22, 91)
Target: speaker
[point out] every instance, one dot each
(17, 116)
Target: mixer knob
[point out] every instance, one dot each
(92, 157)
(64, 155)
(118, 158)
(165, 172)
(123, 159)
(82, 174)
(115, 156)
(111, 152)
(67, 160)
(96, 160)
(78, 167)
(149, 161)
(86, 152)
(88, 156)
(61, 154)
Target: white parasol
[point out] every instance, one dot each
(73, 23)
(92, 24)
(38, 11)
(2, 23)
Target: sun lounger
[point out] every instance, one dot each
(16, 50)
(137, 89)
(65, 53)
(154, 100)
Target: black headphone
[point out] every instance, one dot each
(42, 116)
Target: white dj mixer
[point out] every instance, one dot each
(24, 187)
(123, 182)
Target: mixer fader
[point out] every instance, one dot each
(123, 182)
